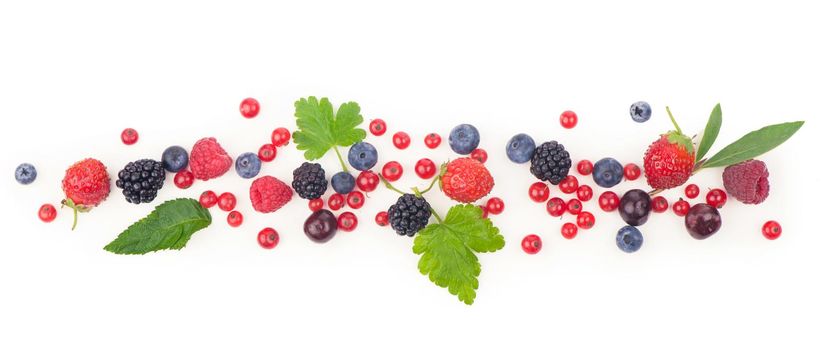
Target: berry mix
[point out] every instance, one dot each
(447, 244)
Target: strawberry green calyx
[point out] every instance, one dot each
(76, 208)
(678, 137)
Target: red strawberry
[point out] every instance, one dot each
(669, 161)
(466, 180)
(86, 184)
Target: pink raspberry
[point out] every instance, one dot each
(268, 194)
(208, 160)
(747, 181)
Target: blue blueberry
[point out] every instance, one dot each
(520, 148)
(640, 112)
(25, 173)
(629, 239)
(464, 138)
(174, 159)
(362, 156)
(343, 182)
(608, 172)
(247, 165)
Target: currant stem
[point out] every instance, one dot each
(673, 119)
(339, 156)
(436, 215)
(430, 187)
(389, 186)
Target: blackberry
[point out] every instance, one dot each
(309, 181)
(141, 180)
(550, 162)
(409, 215)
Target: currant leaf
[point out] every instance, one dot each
(319, 129)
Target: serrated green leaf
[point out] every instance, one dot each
(319, 130)
(753, 144)
(169, 226)
(448, 250)
(708, 137)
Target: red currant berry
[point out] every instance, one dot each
(539, 192)
(316, 204)
(184, 179)
(227, 201)
(356, 200)
(268, 238)
(433, 140)
(484, 211)
(574, 206)
(378, 127)
(208, 199)
(382, 218)
(401, 140)
(609, 201)
(367, 181)
(234, 219)
(495, 205)
(532, 244)
(660, 204)
(47, 213)
(479, 154)
(568, 119)
(585, 167)
(392, 171)
(691, 191)
(249, 107)
(556, 207)
(569, 230)
(681, 207)
(771, 230)
(129, 136)
(336, 201)
(347, 221)
(584, 193)
(267, 152)
(425, 168)
(632, 171)
(569, 185)
(280, 137)
(716, 198)
(585, 220)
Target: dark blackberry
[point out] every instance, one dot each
(409, 215)
(309, 181)
(141, 180)
(550, 162)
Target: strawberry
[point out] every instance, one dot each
(466, 180)
(669, 161)
(86, 185)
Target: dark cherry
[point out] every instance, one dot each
(702, 221)
(321, 226)
(635, 207)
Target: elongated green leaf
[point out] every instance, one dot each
(169, 226)
(708, 137)
(753, 144)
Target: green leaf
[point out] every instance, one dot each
(753, 144)
(708, 137)
(319, 130)
(169, 226)
(448, 250)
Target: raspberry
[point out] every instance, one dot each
(550, 162)
(208, 160)
(268, 194)
(309, 181)
(466, 180)
(748, 181)
(409, 215)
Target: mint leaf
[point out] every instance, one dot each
(448, 250)
(169, 226)
(708, 137)
(319, 130)
(753, 144)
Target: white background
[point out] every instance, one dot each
(74, 74)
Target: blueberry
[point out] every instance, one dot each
(174, 159)
(362, 156)
(607, 172)
(343, 182)
(520, 148)
(464, 138)
(629, 239)
(247, 165)
(25, 173)
(640, 112)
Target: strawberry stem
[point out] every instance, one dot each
(389, 186)
(339, 156)
(673, 120)
(433, 182)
